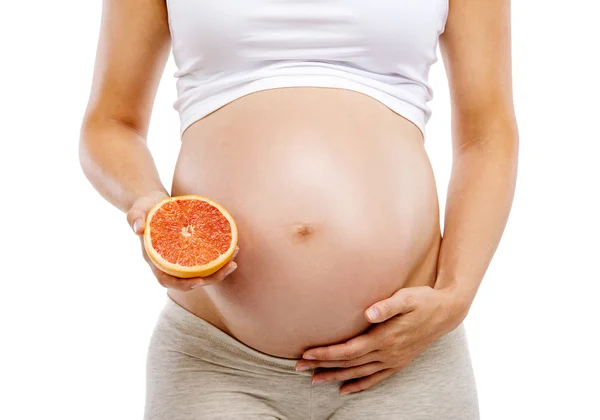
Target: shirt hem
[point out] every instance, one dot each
(202, 109)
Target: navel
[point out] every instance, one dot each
(302, 230)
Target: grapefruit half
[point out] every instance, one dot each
(189, 236)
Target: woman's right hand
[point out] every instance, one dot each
(136, 216)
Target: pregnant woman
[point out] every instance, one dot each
(305, 120)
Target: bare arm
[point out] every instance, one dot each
(476, 48)
(132, 51)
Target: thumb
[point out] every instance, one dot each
(401, 302)
(136, 218)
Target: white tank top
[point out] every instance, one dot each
(225, 49)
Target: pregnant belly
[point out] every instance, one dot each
(336, 207)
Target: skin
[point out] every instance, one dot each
(427, 304)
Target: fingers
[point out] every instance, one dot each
(352, 349)
(303, 365)
(185, 285)
(346, 374)
(217, 276)
(401, 302)
(177, 283)
(366, 382)
(172, 282)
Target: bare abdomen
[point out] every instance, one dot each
(336, 208)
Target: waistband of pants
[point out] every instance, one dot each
(195, 326)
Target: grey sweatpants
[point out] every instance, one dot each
(197, 372)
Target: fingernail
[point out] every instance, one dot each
(235, 253)
(373, 313)
(301, 367)
(309, 357)
(137, 225)
(231, 269)
(345, 392)
(318, 381)
(197, 285)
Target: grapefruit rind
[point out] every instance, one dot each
(197, 270)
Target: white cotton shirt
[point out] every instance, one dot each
(225, 49)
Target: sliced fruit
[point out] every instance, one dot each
(189, 236)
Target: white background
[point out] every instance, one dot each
(78, 302)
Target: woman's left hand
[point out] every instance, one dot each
(406, 324)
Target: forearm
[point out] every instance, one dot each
(117, 162)
(479, 199)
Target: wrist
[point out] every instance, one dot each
(457, 303)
